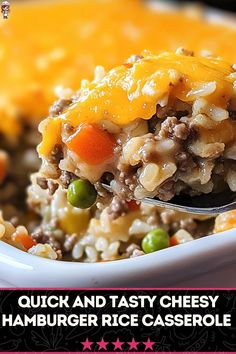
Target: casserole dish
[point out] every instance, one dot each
(206, 262)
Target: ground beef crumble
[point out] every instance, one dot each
(128, 178)
(56, 154)
(40, 235)
(55, 237)
(66, 178)
(149, 151)
(47, 184)
(174, 129)
(184, 161)
(42, 182)
(52, 187)
(166, 190)
(117, 208)
(170, 128)
(59, 106)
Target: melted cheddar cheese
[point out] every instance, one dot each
(126, 93)
(132, 91)
(50, 43)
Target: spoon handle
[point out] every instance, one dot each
(186, 208)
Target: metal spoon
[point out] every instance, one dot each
(208, 204)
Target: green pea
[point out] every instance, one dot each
(81, 194)
(155, 240)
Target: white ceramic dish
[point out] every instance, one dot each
(206, 262)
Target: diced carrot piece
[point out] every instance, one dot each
(225, 221)
(133, 206)
(173, 241)
(92, 144)
(3, 166)
(2, 171)
(128, 65)
(26, 240)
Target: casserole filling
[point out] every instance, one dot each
(148, 128)
(104, 232)
(91, 235)
(156, 126)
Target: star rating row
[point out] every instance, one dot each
(133, 345)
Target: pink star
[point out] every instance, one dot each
(149, 344)
(118, 344)
(87, 344)
(102, 344)
(133, 344)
